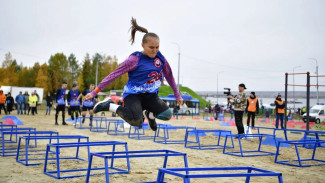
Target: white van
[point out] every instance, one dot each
(316, 113)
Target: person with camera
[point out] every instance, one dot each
(279, 110)
(252, 108)
(239, 101)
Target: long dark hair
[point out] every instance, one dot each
(135, 27)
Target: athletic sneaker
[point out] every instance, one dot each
(103, 105)
(64, 123)
(152, 122)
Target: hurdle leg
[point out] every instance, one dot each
(106, 170)
(160, 177)
(186, 138)
(248, 176)
(58, 162)
(186, 163)
(18, 150)
(112, 160)
(165, 135)
(224, 147)
(89, 168)
(186, 180)
(198, 139)
(277, 151)
(136, 130)
(26, 151)
(280, 178)
(297, 151)
(46, 158)
(240, 147)
(219, 138)
(165, 165)
(77, 152)
(260, 143)
(314, 151)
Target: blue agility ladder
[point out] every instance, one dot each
(23, 157)
(198, 144)
(186, 176)
(132, 154)
(74, 172)
(299, 161)
(241, 152)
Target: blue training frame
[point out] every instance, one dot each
(116, 131)
(132, 154)
(12, 150)
(57, 146)
(241, 152)
(26, 160)
(187, 176)
(136, 134)
(296, 143)
(206, 147)
(166, 138)
(79, 124)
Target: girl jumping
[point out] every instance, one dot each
(146, 70)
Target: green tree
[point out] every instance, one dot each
(58, 70)
(74, 71)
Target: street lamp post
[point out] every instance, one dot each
(179, 61)
(294, 98)
(218, 86)
(316, 77)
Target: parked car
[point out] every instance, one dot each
(316, 114)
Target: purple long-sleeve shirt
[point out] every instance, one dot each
(130, 65)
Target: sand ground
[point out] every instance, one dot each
(146, 169)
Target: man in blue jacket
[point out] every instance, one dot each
(20, 100)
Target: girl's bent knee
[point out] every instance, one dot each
(166, 115)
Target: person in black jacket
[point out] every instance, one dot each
(49, 103)
(10, 103)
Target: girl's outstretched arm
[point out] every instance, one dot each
(168, 73)
(128, 65)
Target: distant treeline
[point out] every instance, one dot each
(60, 68)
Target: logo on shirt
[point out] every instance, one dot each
(157, 62)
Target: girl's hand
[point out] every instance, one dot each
(87, 97)
(179, 102)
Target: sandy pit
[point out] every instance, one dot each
(146, 169)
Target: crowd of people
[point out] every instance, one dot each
(25, 103)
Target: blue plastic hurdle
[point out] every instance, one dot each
(99, 124)
(116, 123)
(23, 157)
(12, 128)
(59, 171)
(132, 154)
(199, 146)
(165, 139)
(80, 125)
(251, 172)
(299, 160)
(12, 150)
(241, 152)
(138, 133)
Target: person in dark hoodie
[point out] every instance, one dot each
(279, 110)
(252, 108)
(10, 103)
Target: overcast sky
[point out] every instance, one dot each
(254, 42)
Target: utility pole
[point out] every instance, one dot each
(294, 97)
(179, 61)
(316, 77)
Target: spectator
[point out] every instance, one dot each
(20, 100)
(10, 103)
(279, 110)
(240, 102)
(217, 110)
(252, 108)
(26, 102)
(3, 99)
(49, 103)
(32, 103)
(35, 92)
(267, 114)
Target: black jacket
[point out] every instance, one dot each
(49, 101)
